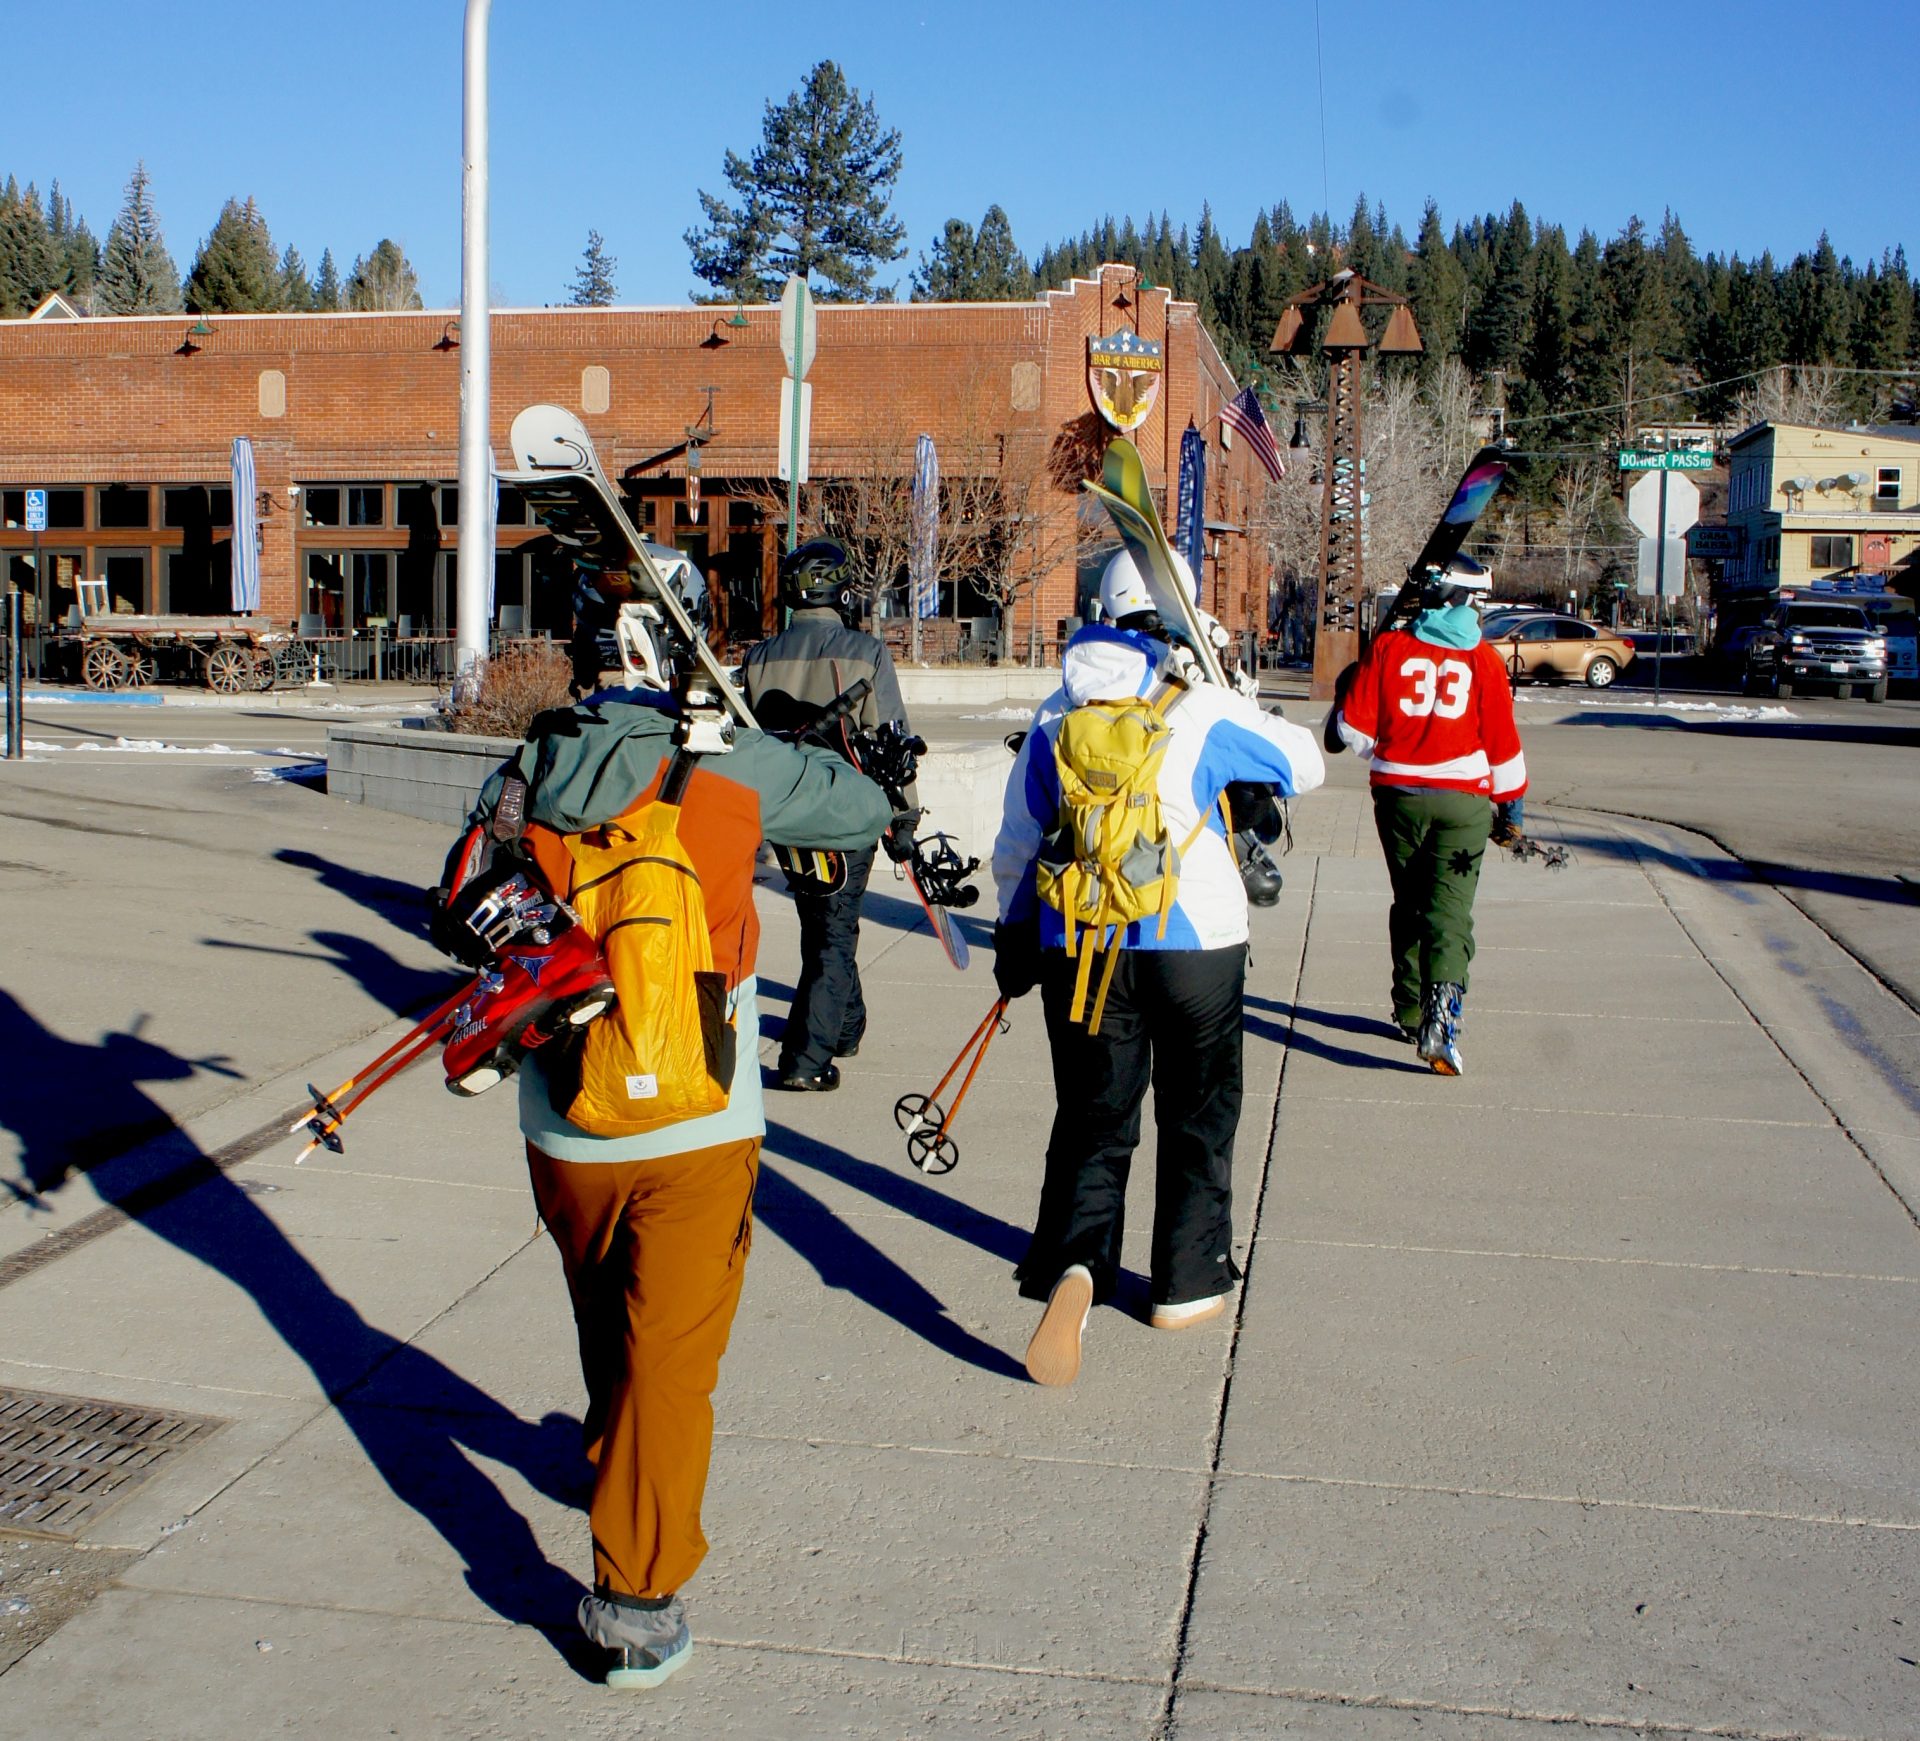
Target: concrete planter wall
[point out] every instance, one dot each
(436, 775)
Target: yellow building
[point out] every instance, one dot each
(1806, 503)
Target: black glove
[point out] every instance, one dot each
(1016, 958)
(1330, 729)
(897, 841)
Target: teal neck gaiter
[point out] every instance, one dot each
(1453, 626)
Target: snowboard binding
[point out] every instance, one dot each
(941, 873)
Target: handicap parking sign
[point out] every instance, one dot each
(36, 510)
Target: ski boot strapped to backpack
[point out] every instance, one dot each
(541, 972)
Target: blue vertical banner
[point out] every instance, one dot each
(923, 569)
(1190, 525)
(246, 523)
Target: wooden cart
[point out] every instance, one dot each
(230, 655)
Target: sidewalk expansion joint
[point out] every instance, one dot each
(1165, 1728)
(1584, 1501)
(1653, 1726)
(985, 1454)
(1585, 1111)
(914, 1659)
(1738, 1269)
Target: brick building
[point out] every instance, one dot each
(354, 422)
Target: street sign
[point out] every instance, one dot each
(797, 327)
(793, 453)
(1666, 459)
(1713, 543)
(36, 510)
(1648, 573)
(1680, 496)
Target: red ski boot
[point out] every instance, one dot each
(547, 977)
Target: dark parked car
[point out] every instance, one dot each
(1831, 646)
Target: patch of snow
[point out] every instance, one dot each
(1002, 713)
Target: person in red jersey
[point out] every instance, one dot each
(1431, 708)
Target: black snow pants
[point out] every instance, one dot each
(1172, 1018)
(828, 1014)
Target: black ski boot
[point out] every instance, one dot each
(1440, 1027)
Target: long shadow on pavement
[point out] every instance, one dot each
(425, 1458)
(846, 1259)
(1287, 1031)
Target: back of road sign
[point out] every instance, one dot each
(1683, 504)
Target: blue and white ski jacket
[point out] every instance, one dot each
(1218, 737)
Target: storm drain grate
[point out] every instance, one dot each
(66, 1459)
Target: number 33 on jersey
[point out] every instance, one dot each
(1438, 717)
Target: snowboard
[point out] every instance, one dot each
(1485, 473)
(561, 480)
(952, 938)
(1124, 492)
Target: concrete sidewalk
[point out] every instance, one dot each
(1577, 1391)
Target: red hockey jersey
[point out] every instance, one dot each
(1435, 716)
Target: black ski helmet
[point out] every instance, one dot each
(814, 574)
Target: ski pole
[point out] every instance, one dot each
(328, 1118)
(930, 1145)
(324, 1102)
(915, 1112)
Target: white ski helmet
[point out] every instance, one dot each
(1462, 581)
(1123, 588)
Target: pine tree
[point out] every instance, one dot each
(813, 200)
(78, 253)
(326, 285)
(296, 288)
(966, 265)
(137, 274)
(593, 285)
(1438, 286)
(1497, 328)
(1816, 306)
(382, 281)
(235, 271)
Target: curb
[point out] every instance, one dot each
(92, 697)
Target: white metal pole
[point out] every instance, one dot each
(476, 356)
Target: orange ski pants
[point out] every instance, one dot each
(654, 1252)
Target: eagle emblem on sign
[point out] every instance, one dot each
(1123, 374)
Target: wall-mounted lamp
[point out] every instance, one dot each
(449, 339)
(739, 316)
(199, 330)
(715, 338)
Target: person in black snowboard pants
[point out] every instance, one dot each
(828, 1015)
(1172, 1019)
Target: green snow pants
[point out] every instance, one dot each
(1434, 842)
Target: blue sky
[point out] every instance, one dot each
(1756, 121)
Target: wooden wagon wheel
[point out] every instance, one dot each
(230, 670)
(265, 670)
(104, 666)
(142, 667)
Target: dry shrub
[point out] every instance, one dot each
(505, 693)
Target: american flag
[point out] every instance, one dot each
(1242, 414)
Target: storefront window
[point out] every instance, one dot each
(326, 593)
(122, 507)
(320, 504)
(366, 504)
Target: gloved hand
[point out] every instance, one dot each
(1016, 958)
(897, 841)
(1509, 822)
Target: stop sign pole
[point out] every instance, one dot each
(1666, 462)
(796, 346)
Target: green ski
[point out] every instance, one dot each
(1124, 492)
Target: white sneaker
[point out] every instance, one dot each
(1053, 1356)
(1188, 1313)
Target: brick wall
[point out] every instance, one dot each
(373, 397)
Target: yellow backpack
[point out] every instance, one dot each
(666, 1053)
(1108, 861)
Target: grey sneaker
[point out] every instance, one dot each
(649, 1642)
